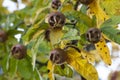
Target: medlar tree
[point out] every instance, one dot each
(57, 37)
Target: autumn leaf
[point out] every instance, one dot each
(50, 68)
(88, 56)
(96, 56)
(55, 36)
(111, 7)
(103, 51)
(63, 43)
(67, 7)
(95, 9)
(62, 70)
(82, 66)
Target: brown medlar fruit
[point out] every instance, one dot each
(56, 20)
(93, 35)
(56, 4)
(58, 56)
(19, 51)
(3, 36)
(86, 2)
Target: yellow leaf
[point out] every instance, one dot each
(82, 66)
(37, 34)
(87, 55)
(95, 9)
(111, 7)
(55, 36)
(62, 1)
(74, 50)
(103, 51)
(63, 43)
(67, 7)
(50, 67)
(97, 56)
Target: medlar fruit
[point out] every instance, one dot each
(58, 56)
(56, 4)
(93, 35)
(19, 51)
(3, 36)
(56, 20)
(86, 2)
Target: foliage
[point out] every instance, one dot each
(37, 35)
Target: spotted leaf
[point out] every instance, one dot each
(103, 51)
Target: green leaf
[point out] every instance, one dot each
(113, 21)
(65, 71)
(80, 17)
(83, 21)
(14, 32)
(72, 34)
(24, 68)
(112, 33)
(35, 29)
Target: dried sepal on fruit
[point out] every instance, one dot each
(55, 4)
(58, 56)
(3, 36)
(86, 2)
(19, 51)
(81, 65)
(56, 20)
